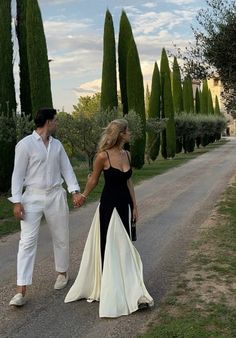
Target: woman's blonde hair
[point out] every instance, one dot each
(111, 135)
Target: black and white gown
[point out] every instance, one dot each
(111, 270)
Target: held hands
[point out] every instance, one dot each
(78, 200)
(18, 211)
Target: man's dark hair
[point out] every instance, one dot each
(43, 115)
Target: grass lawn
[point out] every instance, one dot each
(8, 224)
(203, 304)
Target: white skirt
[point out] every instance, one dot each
(119, 287)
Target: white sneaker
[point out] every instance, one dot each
(18, 300)
(61, 281)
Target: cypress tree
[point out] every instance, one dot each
(153, 139)
(168, 148)
(197, 101)
(217, 106)
(210, 103)
(190, 94)
(109, 98)
(135, 95)
(25, 98)
(125, 35)
(7, 96)
(177, 88)
(204, 109)
(147, 99)
(186, 98)
(204, 98)
(164, 68)
(168, 108)
(37, 58)
(7, 89)
(197, 111)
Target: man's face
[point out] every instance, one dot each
(52, 125)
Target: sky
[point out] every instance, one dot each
(74, 34)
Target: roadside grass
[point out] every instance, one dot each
(8, 224)
(203, 303)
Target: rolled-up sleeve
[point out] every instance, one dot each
(19, 172)
(68, 172)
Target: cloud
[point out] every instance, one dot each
(152, 21)
(181, 2)
(88, 88)
(56, 2)
(150, 4)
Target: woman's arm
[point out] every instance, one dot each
(94, 177)
(132, 194)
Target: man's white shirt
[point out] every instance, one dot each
(40, 167)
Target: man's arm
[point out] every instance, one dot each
(19, 172)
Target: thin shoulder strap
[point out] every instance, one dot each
(127, 153)
(108, 157)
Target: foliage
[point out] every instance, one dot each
(37, 58)
(164, 68)
(210, 103)
(197, 101)
(14, 128)
(217, 106)
(125, 35)
(87, 105)
(153, 138)
(198, 125)
(109, 83)
(80, 133)
(7, 94)
(21, 30)
(204, 98)
(7, 89)
(169, 114)
(177, 88)
(214, 48)
(167, 109)
(135, 95)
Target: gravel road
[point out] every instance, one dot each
(172, 207)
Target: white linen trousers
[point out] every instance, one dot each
(52, 203)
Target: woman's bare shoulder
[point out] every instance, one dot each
(101, 156)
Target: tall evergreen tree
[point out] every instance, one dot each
(210, 103)
(168, 147)
(177, 88)
(186, 97)
(217, 106)
(197, 101)
(164, 68)
(190, 94)
(125, 35)
(135, 95)
(21, 30)
(168, 108)
(204, 109)
(39, 73)
(109, 98)
(7, 89)
(153, 139)
(204, 98)
(7, 96)
(147, 99)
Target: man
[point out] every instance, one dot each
(40, 164)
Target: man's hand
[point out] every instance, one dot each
(78, 200)
(18, 211)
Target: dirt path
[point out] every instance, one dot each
(172, 207)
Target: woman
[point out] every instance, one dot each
(111, 268)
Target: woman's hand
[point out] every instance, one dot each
(135, 214)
